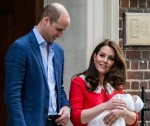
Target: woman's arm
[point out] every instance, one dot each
(88, 114)
(130, 117)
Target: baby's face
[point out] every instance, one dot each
(134, 97)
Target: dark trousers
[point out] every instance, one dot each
(51, 123)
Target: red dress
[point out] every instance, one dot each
(81, 99)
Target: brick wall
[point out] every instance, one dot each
(137, 58)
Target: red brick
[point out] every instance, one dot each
(143, 65)
(147, 95)
(126, 86)
(124, 3)
(135, 78)
(144, 84)
(147, 117)
(142, 3)
(148, 3)
(147, 75)
(134, 65)
(133, 3)
(135, 85)
(127, 92)
(148, 85)
(132, 92)
(135, 75)
(133, 55)
(146, 55)
(128, 64)
(147, 104)
(122, 11)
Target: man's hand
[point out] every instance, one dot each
(64, 114)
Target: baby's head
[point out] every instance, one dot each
(134, 97)
(138, 103)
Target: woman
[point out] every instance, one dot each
(91, 91)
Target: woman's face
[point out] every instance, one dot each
(104, 59)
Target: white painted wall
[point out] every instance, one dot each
(91, 22)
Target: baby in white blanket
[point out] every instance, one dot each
(134, 103)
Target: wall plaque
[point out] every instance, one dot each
(136, 29)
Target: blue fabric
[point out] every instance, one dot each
(26, 87)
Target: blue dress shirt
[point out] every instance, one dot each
(49, 70)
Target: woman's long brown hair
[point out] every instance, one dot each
(117, 75)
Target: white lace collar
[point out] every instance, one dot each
(110, 89)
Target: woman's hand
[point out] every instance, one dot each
(113, 115)
(115, 103)
(117, 109)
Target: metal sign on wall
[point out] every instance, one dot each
(136, 29)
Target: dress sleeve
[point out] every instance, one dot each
(136, 121)
(76, 100)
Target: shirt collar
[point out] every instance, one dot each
(38, 36)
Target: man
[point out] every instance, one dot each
(34, 64)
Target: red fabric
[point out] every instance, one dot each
(81, 99)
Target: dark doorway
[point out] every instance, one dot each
(17, 17)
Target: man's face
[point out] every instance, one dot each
(54, 30)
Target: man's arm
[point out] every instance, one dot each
(14, 76)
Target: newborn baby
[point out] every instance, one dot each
(134, 103)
